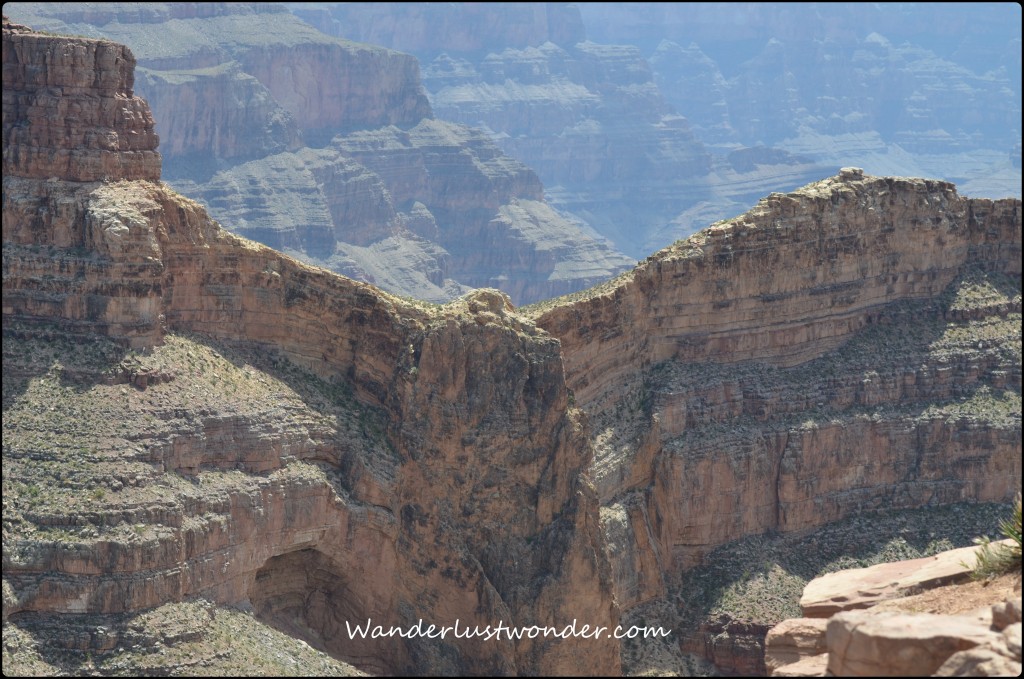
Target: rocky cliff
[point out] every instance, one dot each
(248, 99)
(588, 117)
(78, 119)
(849, 346)
(630, 114)
(205, 439)
(239, 429)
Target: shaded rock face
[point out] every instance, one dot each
(314, 509)
(244, 119)
(732, 645)
(390, 196)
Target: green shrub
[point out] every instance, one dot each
(995, 560)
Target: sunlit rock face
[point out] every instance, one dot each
(270, 123)
(246, 430)
(844, 347)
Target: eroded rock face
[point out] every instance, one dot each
(328, 150)
(853, 589)
(833, 351)
(440, 474)
(85, 81)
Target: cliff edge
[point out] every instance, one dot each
(195, 423)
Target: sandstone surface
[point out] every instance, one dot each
(905, 618)
(78, 119)
(792, 641)
(853, 589)
(890, 644)
(242, 429)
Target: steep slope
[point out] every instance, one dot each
(847, 347)
(203, 437)
(248, 99)
(194, 421)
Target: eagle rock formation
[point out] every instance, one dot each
(329, 151)
(212, 450)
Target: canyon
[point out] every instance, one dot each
(212, 448)
(329, 151)
(651, 120)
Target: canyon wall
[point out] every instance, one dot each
(916, 91)
(588, 117)
(383, 460)
(191, 416)
(268, 122)
(849, 347)
(829, 352)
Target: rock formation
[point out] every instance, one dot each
(196, 424)
(850, 346)
(382, 461)
(247, 100)
(78, 119)
(588, 117)
(910, 90)
(963, 633)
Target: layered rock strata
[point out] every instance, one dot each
(355, 456)
(850, 346)
(79, 118)
(589, 118)
(248, 99)
(809, 82)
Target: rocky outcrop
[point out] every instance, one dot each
(397, 199)
(78, 118)
(796, 641)
(732, 293)
(863, 588)
(717, 414)
(383, 461)
(898, 644)
(853, 636)
(734, 646)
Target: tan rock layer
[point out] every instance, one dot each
(77, 118)
(713, 439)
(475, 390)
(787, 281)
(488, 516)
